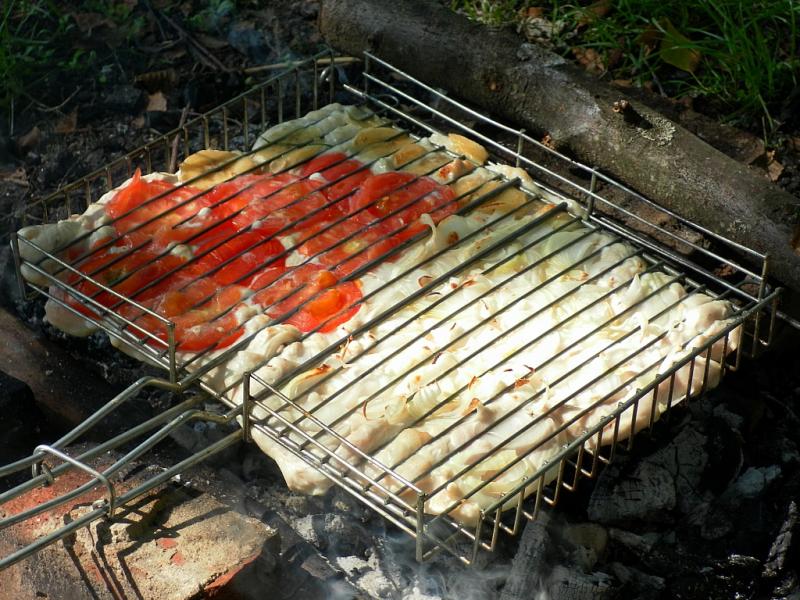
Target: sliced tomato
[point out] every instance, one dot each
(331, 166)
(232, 196)
(346, 246)
(325, 235)
(400, 198)
(340, 176)
(132, 272)
(309, 297)
(150, 207)
(214, 324)
(329, 309)
(204, 316)
(288, 290)
(290, 204)
(238, 259)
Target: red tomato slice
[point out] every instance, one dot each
(152, 206)
(232, 196)
(204, 316)
(334, 167)
(291, 203)
(347, 246)
(286, 291)
(128, 272)
(309, 297)
(402, 195)
(331, 166)
(329, 309)
(239, 258)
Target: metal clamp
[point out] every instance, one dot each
(78, 464)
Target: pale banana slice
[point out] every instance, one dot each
(219, 164)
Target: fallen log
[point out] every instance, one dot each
(540, 91)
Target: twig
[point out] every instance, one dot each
(338, 60)
(173, 157)
(205, 54)
(156, 19)
(48, 109)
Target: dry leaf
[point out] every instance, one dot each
(69, 123)
(156, 102)
(590, 59)
(613, 57)
(623, 83)
(211, 42)
(774, 170)
(17, 176)
(533, 12)
(88, 21)
(725, 270)
(29, 140)
(675, 48)
(649, 38)
(594, 11)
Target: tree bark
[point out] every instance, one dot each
(538, 90)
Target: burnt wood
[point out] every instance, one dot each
(540, 91)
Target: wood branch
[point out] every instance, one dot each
(540, 91)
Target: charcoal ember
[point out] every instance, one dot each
(646, 494)
(637, 584)
(638, 545)
(784, 556)
(588, 542)
(740, 499)
(302, 572)
(256, 465)
(666, 480)
(198, 435)
(752, 483)
(565, 583)
(556, 560)
(535, 545)
(724, 446)
(689, 571)
(339, 534)
(344, 503)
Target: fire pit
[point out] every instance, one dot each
(699, 260)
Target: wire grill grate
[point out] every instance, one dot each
(298, 426)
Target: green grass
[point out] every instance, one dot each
(739, 57)
(41, 45)
(26, 30)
